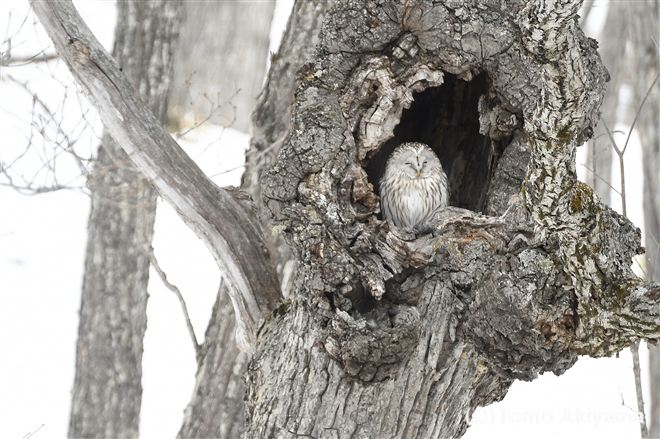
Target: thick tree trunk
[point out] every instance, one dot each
(216, 410)
(220, 62)
(107, 391)
(393, 334)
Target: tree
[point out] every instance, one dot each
(107, 391)
(645, 25)
(219, 61)
(389, 333)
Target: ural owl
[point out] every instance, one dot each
(413, 186)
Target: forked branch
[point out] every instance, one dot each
(233, 235)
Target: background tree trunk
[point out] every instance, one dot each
(644, 28)
(216, 408)
(612, 47)
(220, 62)
(629, 50)
(228, 59)
(107, 390)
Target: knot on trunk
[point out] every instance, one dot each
(372, 347)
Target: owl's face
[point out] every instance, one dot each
(415, 161)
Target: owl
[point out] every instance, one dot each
(413, 186)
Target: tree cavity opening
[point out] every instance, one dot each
(447, 119)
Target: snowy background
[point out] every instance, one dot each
(42, 247)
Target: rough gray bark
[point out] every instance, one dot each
(214, 410)
(221, 62)
(479, 301)
(272, 115)
(107, 392)
(225, 221)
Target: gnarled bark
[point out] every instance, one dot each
(392, 334)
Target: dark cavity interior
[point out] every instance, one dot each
(446, 119)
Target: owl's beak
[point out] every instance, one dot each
(419, 172)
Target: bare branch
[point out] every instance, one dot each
(57, 141)
(177, 292)
(233, 236)
(5, 56)
(601, 179)
(215, 107)
(634, 348)
(622, 168)
(639, 110)
(25, 60)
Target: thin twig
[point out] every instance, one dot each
(258, 155)
(173, 288)
(639, 110)
(634, 348)
(214, 108)
(622, 169)
(29, 435)
(25, 60)
(601, 179)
